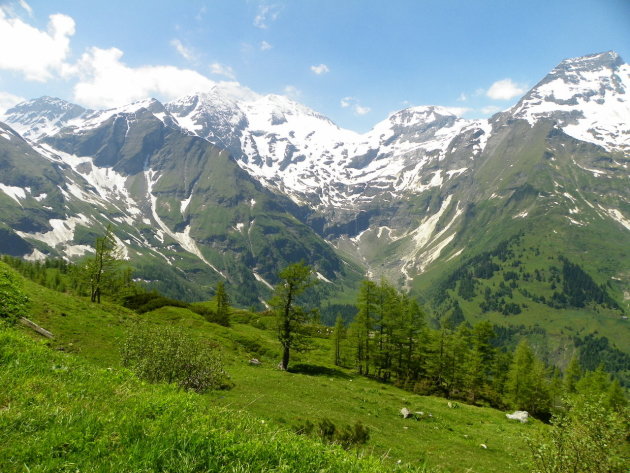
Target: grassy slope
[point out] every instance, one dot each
(60, 413)
(449, 440)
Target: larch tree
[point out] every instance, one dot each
(364, 323)
(339, 335)
(222, 300)
(291, 318)
(526, 386)
(101, 269)
(572, 374)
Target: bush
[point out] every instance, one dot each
(209, 314)
(148, 301)
(166, 354)
(586, 437)
(13, 302)
(327, 432)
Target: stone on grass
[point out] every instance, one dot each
(521, 416)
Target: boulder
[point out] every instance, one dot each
(521, 416)
(255, 362)
(407, 414)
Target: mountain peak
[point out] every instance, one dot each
(586, 97)
(41, 116)
(45, 105)
(608, 59)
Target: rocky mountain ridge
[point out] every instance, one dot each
(423, 186)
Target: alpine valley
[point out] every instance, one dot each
(522, 219)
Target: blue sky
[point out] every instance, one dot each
(354, 61)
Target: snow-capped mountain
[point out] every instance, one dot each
(423, 186)
(41, 117)
(587, 96)
(298, 152)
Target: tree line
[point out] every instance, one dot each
(103, 273)
(390, 340)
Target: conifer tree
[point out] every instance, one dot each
(387, 316)
(363, 325)
(339, 335)
(222, 301)
(572, 374)
(101, 269)
(526, 386)
(292, 318)
(409, 338)
(479, 369)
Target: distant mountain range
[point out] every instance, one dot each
(234, 185)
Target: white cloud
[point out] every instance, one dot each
(490, 110)
(222, 70)
(352, 102)
(505, 89)
(320, 69)
(292, 92)
(346, 102)
(265, 46)
(38, 55)
(265, 15)
(8, 100)
(105, 81)
(185, 52)
(26, 7)
(462, 97)
(201, 13)
(360, 110)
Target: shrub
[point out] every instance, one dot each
(209, 314)
(585, 437)
(148, 301)
(356, 434)
(166, 354)
(13, 302)
(327, 432)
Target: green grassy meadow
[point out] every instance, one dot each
(70, 407)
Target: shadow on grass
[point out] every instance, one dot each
(317, 370)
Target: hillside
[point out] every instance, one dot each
(60, 412)
(521, 219)
(448, 440)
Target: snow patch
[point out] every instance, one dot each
(35, 255)
(183, 238)
(77, 250)
(62, 232)
(455, 255)
(423, 232)
(16, 193)
(618, 216)
(259, 278)
(456, 172)
(184, 204)
(321, 277)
